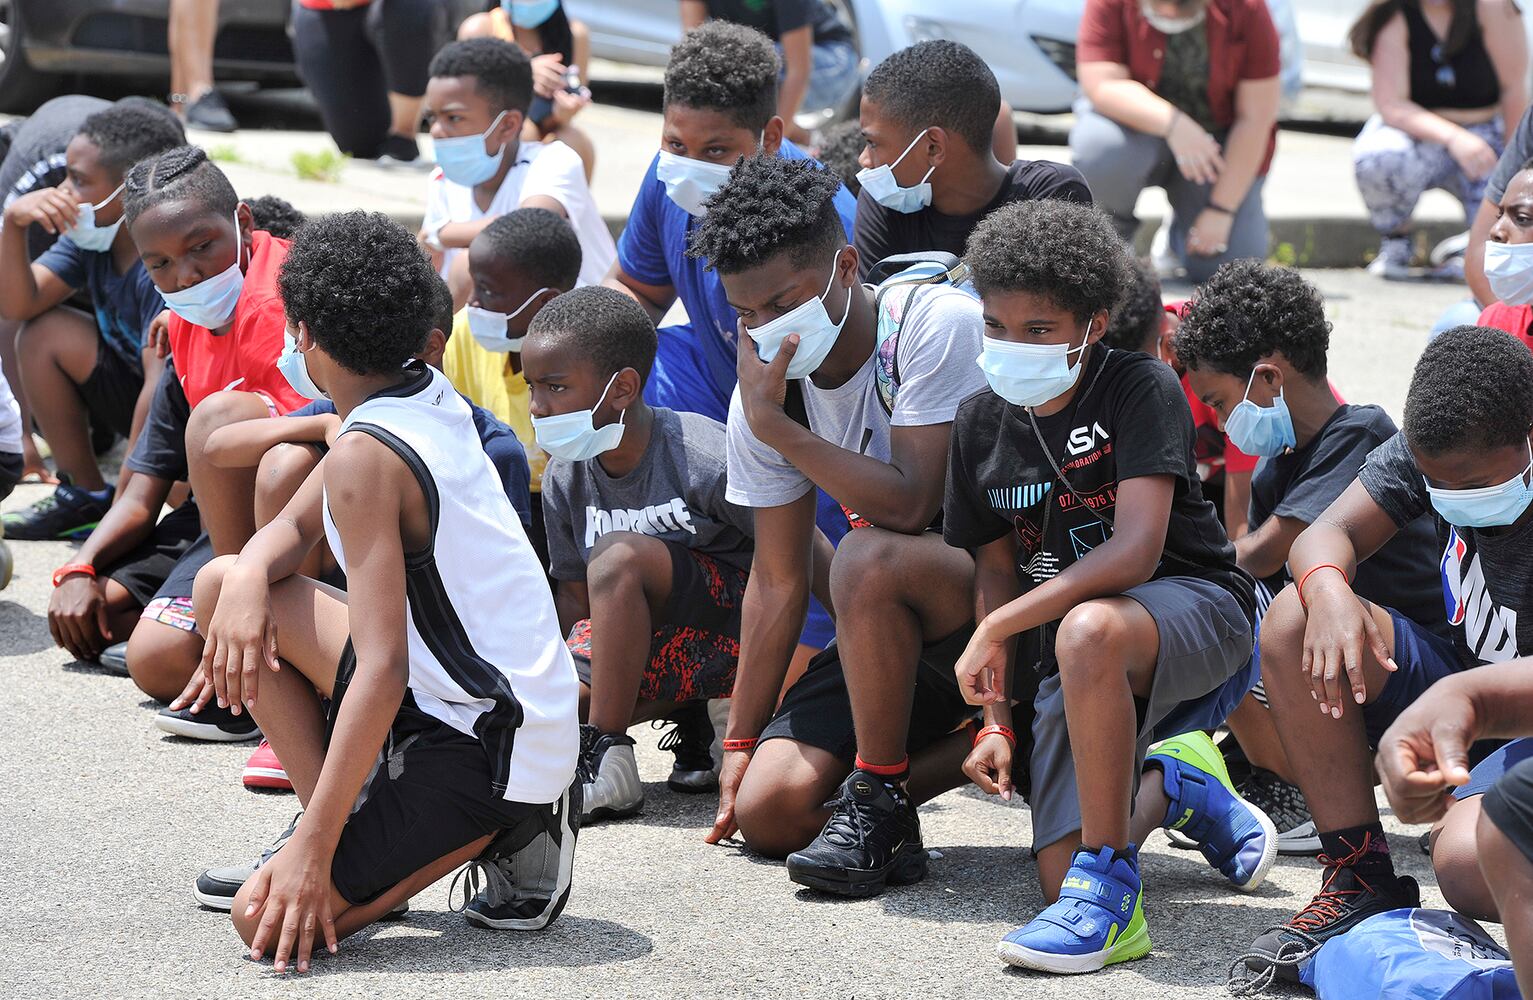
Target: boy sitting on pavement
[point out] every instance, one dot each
(650, 557)
(1254, 342)
(84, 372)
(878, 374)
(1072, 481)
(1464, 458)
(474, 711)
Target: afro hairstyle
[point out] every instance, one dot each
(770, 205)
(127, 133)
(600, 324)
(1134, 324)
(275, 215)
(840, 145)
(942, 83)
(501, 70)
(1066, 252)
(184, 172)
(726, 68)
(1472, 391)
(1249, 310)
(364, 289)
(536, 242)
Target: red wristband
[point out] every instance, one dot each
(1011, 737)
(1311, 572)
(70, 569)
(740, 746)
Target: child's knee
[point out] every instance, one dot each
(282, 470)
(161, 659)
(244, 926)
(1090, 640)
(219, 410)
(624, 559)
(1456, 862)
(775, 817)
(864, 560)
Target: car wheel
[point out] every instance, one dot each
(22, 88)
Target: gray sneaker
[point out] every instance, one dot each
(216, 887)
(522, 880)
(610, 776)
(1393, 262)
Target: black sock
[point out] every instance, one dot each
(1348, 843)
(1127, 854)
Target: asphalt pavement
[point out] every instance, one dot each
(106, 822)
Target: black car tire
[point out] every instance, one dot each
(22, 88)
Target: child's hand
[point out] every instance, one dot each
(989, 766)
(241, 637)
(1425, 754)
(981, 670)
(763, 385)
(731, 773)
(1339, 634)
(198, 691)
(158, 334)
(292, 894)
(77, 617)
(50, 208)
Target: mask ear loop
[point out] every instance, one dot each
(103, 203)
(622, 415)
(524, 305)
(493, 126)
(834, 267)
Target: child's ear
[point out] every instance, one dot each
(771, 136)
(510, 128)
(846, 266)
(1270, 374)
(936, 144)
(1098, 325)
(628, 388)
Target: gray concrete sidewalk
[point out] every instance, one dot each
(1317, 216)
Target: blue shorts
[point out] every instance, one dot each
(1488, 771)
(1424, 658)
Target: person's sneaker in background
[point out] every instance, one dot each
(1393, 262)
(872, 839)
(264, 770)
(690, 738)
(1454, 246)
(1284, 805)
(211, 113)
(1234, 836)
(67, 513)
(114, 659)
(215, 888)
(1097, 921)
(609, 776)
(526, 870)
(212, 724)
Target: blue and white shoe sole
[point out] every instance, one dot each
(1269, 850)
(1063, 965)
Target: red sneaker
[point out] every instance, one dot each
(264, 770)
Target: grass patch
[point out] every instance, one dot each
(224, 153)
(324, 166)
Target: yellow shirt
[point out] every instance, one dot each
(486, 378)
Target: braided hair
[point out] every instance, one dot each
(181, 173)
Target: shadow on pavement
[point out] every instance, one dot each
(22, 631)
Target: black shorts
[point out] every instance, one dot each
(428, 796)
(696, 646)
(111, 391)
(12, 466)
(1509, 805)
(144, 570)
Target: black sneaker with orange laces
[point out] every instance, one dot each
(1355, 888)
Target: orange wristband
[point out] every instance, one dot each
(739, 746)
(1311, 572)
(1011, 737)
(70, 569)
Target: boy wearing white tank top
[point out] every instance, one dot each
(451, 735)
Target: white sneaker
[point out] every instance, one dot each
(610, 776)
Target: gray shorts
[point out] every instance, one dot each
(1203, 669)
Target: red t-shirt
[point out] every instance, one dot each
(1515, 320)
(245, 358)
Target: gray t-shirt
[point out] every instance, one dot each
(675, 493)
(1487, 575)
(1519, 150)
(940, 331)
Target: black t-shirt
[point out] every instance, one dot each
(161, 447)
(1487, 574)
(775, 18)
(1131, 419)
(1302, 484)
(882, 232)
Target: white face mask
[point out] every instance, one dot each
(1172, 25)
(816, 333)
(1509, 269)
(883, 188)
(574, 437)
(86, 234)
(1031, 374)
(210, 302)
(489, 328)
(690, 183)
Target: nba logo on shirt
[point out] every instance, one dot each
(1490, 631)
(1453, 559)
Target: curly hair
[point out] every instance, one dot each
(444, 311)
(1059, 249)
(501, 70)
(360, 283)
(600, 324)
(536, 242)
(727, 68)
(941, 83)
(1248, 310)
(275, 215)
(1135, 321)
(1472, 391)
(840, 145)
(769, 206)
(182, 172)
(126, 134)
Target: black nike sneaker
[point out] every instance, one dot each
(1284, 804)
(1346, 898)
(67, 513)
(872, 839)
(690, 738)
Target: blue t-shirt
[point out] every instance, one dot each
(500, 444)
(124, 303)
(653, 249)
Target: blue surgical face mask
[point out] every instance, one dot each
(1031, 374)
(816, 333)
(489, 328)
(1509, 269)
(529, 13)
(464, 161)
(295, 368)
(210, 302)
(1263, 431)
(1489, 506)
(690, 183)
(881, 186)
(86, 234)
(574, 437)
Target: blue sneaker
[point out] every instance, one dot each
(1098, 920)
(1236, 837)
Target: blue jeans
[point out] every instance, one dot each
(833, 73)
